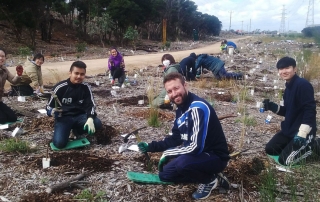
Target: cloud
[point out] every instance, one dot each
(264, 15)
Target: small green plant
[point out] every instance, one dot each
(268, 186)
(132, 35)
(15, 145)
(153, 119)
(24, 51)
(167, 44)
(81, 47)
(88, 195)
(247, 120)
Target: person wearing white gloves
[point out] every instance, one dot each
(77, 109)
(295, 141)
(31, 78)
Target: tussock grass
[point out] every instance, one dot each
(152, 90)
(55, 74)
(15, 145)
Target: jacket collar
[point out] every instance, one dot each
(290, 83)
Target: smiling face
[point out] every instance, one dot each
(77, 75)
(2, 58)
(39, 61)
(176, 91)
(287, 73)
(114, 52)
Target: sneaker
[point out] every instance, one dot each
(204, 190)
(112, 82)
(223, 181)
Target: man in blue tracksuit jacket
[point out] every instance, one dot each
(216, 66)
(197, 145)
(295, 141)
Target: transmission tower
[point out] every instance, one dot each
(283, 21)
(310, 14)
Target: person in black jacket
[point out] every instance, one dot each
(298, 130)
(77, 109)
(203, 153)
(187, 66)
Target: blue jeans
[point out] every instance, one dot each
(223, 74)
(190, 168)
(63, 125)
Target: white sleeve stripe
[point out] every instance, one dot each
(92, 100)
(193, 144)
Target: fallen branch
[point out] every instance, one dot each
(73, 182)
(226, 116)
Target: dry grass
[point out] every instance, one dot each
(313, 70)
(55, 74)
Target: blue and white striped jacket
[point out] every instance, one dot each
(196, 130)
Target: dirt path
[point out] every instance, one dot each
(97, 66)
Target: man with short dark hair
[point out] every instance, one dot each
(298, 130)
(197, 145)
(75, 108)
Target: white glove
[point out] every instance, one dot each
(55, 112)
(89, 125)
(304, 130)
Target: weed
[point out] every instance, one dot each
(81, 47)
(153, 119)
(15, 145)
(268, 186)
(247, 120)
(88, 195)
(24, 51)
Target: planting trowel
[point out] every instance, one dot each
(18, 130)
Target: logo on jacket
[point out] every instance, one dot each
(80, 101)
(184, 136)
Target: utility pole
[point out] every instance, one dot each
(250, 26)
(230, 21)
(283, 21)
(310, 14)
(242, 26)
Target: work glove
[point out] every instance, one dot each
(143, 147)
(163, 160)
(89, 126)
(54, 112)
(267, 105)
(39, 90)
(19, 70)
(300, 137)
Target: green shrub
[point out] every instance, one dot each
(81, 47)
(15, 145)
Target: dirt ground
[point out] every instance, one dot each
(144, 59)
(23, 179)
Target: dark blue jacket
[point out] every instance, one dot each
(76, 99)
(187, 63)
(209, 62)
(230, 43)
(196, 127)
(299, 106)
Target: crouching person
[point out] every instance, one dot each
(203, 154)
(295, 141)
(72, 105)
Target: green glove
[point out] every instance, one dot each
(143, 147)
(89, 125)
(270, 106)
(163, 160)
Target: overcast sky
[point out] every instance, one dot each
(264, 14)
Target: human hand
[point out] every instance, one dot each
(89, 126)
(55, 112)
(301, 136)
(267, 105)
(19, 70)
(143, 147)
(163, 160)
